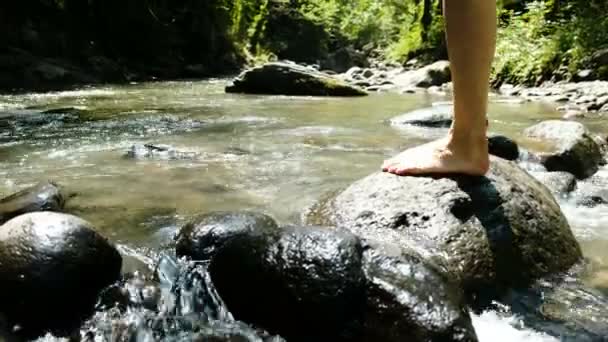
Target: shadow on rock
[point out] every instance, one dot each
(489, 233)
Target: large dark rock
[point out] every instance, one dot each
(52, 268)
(290, 79)
(44, 196)
(503, 147)
(575, 150)
(288, 279)
(200, 238)
(489, 233)
(406, 300)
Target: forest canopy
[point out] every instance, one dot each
(538, 40)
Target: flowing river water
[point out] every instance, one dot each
(274, 154)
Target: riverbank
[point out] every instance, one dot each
(573, 99)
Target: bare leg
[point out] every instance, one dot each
(471, 36)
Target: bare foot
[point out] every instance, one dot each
(448, 155)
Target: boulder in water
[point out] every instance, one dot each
(575, 150)
(489, 233)
(503, 147)
(52, 268)
(44, 196)
(289, 279)
(200, 238)
(439, 116)
(280, 78)
(434, 74)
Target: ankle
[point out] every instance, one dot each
(470, 136)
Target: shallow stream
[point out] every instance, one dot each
(274, 154)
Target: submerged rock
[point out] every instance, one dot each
(52, 268)
(321, 284)
(280, 78)
(489, 233)
(575, 150)
(44, 196)
(435, 116)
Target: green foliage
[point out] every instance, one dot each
(548, 36)
(419, 38)
(526, 48)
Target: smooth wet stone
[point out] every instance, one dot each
(434, 74)
(280, 78)
(575, 150)
(435, 117)
(52, 268)
(200, 238)
(489, 233)
(560, 183)
(399, 289)
(44, 196)
(503, 147)
(322, 284)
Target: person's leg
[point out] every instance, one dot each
(471, 37)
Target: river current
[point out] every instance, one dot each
(275, 154)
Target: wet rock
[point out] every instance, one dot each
(503, 147)
(158, 151)
(52, 268)
(575, 150)
(353, 73)
(600, 57)
(395, 286)
(434, 74)
(560, 183)
(290, 278)
(44, 196)
(600, 102)
(200, 238)
(435, 116)
(290, 79)
(489, 233)
(584, 75)
(368, 73)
